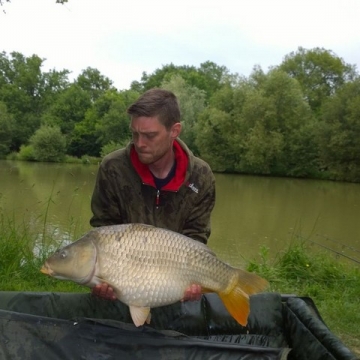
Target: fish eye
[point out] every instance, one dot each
(62, 254)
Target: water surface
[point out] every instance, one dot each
(250, 211)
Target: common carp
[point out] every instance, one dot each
(150, 267)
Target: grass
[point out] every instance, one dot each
(334, 285)
(21, 257)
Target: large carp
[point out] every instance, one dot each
(150, 267)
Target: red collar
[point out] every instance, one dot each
(180, 171)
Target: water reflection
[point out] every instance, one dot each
(250, 211)
(53, 197)
(253, 211)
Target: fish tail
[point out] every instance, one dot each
(236, 296)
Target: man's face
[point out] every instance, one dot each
(151, 138)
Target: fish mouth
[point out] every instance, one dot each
(46, 270)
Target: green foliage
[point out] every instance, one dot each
(192, 103)
(113, 125)
(261, 134)
(208, 77)
(112, 146)
(299, 119)
(69, 109)
(25, 90)
(213, 139)
(13, 156)
(26, 153)
(320, 73)
(21, 259)
(333, 284)
(93, 82)
(49, 144)
(262, 149)
(54, 83)
(106, 121)
(87, 160)
(305, 272)
(339, 133)
(6, 129)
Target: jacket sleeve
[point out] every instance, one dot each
(104, 201)
(197, 225)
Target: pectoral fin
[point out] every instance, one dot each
(140, 315)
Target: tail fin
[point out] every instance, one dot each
(236, 296)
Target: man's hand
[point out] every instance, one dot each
(192, 293)
(104, 291)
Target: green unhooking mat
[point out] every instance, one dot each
(56, 326)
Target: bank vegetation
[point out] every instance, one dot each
(300, 118)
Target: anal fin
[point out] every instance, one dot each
(140, 315)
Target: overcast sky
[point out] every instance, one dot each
(123, 38)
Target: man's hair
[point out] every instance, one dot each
(157, 102)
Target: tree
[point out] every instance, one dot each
(68, 108)
(93, 82)
(6, 129)
(257, 127)
(27, 93)
(53, 83)
(320, 73)
(114, 125)
(191, 102)
(49, 144)
(274, 114)
(209, 77)
(340, 133)
(215, 139)
(21, 90)
(106, 121)
(262, 150)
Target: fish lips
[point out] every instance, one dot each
(46, 270)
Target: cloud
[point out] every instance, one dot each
(123, 39)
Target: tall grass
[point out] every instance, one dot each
(23, 252)
(21, 260)
(333, 284)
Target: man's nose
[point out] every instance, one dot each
(140, 142)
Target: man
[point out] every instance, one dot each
(156, 179)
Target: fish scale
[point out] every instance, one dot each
(150, 267)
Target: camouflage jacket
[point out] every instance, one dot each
(125, 192)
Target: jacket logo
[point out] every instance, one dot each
(193, 187)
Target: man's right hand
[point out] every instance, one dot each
(104, 291)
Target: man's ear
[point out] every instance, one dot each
(176, 130)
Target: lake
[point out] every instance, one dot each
(250, 211)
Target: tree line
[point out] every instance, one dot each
(301, 118)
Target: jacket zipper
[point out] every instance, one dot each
(157, 200)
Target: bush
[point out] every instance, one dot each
(88, 160)
(112, 146)
(12, 156)
(49, 144)
(26, 153)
